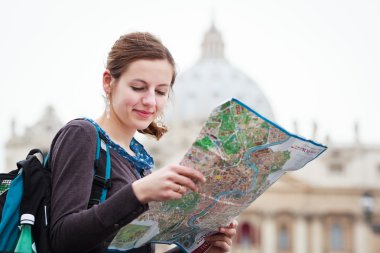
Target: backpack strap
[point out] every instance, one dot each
(102, 170)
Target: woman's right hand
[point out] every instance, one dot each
(169, 182)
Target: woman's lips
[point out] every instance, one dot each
(144, 114)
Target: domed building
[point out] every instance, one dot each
(213, 80)
(197, 91)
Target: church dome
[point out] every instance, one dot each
(207, 84)
(213, 80)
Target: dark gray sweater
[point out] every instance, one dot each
(74, 227)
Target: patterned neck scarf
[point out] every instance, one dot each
(142, 161)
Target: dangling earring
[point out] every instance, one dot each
(108, 106)
(160, 120)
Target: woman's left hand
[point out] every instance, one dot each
(222, 241)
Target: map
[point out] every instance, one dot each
(241, 154)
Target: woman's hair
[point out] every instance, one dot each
(136, 46)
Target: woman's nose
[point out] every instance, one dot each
(149, 99)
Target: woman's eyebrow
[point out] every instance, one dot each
(163, 84)
(139, 80)
(144, 82)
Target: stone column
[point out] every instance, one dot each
(316, 235)
(300, 237)
(361, 236)
(268, 234)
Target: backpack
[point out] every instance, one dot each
(28, 190)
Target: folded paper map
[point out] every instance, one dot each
(241, 154)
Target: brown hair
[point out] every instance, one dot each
(136, 46)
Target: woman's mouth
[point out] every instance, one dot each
(143, 114)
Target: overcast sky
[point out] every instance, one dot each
(314, 60)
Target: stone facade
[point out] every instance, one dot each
(38, 135)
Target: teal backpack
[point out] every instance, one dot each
(27, 190)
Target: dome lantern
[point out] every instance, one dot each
(212, 45)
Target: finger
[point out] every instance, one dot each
(182, 190)
(222, 245)
(234, 224)
(219, 238)
(179, 188)
(171, 195)
(230, 232)
(185, 181)
(191, 173)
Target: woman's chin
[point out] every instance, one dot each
(142, 127)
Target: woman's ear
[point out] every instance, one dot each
(107, 79)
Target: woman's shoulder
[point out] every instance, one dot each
(84, 123)
(78, 128)
(76, 137)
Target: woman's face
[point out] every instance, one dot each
(141, 93)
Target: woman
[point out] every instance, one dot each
(137, 82)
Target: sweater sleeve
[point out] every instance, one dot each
(74, 228)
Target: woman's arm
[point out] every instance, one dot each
(74, 228)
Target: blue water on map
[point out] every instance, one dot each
(251, 165)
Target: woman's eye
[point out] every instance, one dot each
(161, 93)
(137, 88)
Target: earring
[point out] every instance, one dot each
(108, 106)
(160, 120)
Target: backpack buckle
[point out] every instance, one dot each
(101, 181)
(93, 202)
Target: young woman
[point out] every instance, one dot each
(137, 82)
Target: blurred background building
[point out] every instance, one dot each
(330, 206)
(39, 136)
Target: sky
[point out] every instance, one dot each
(315, 61)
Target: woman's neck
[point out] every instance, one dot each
(117, 132)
